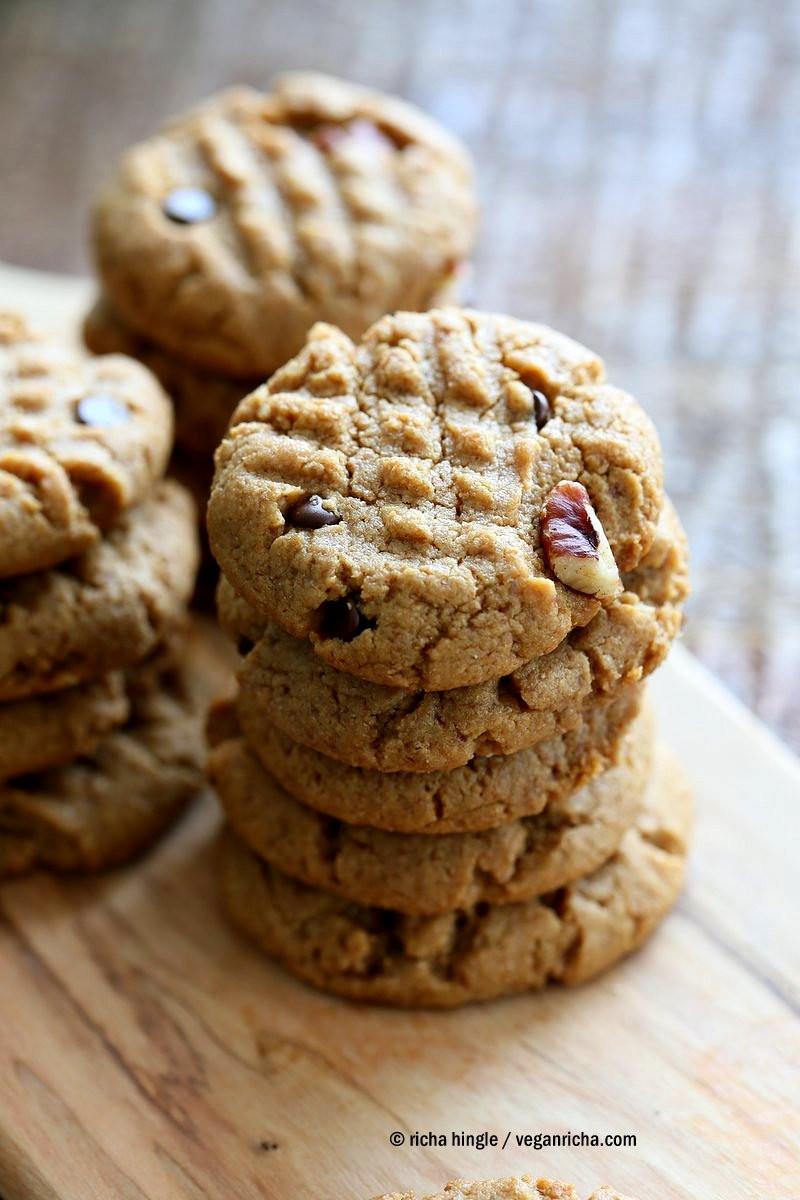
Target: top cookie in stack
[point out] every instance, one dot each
(97, 561)
(222, 239)
(439, 503)
(449, 563)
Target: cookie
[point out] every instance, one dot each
(227, 234)
(385, 957)
(485, 792)
(416, 873)
(203, 400)
(382, 956)
(401, 502)
(48, 731)
(286, 688)
(105, 610)
(517, 1187)
(81, 441)
(102, 810)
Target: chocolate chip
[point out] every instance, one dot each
(541, 408)
(244, 645)
(189, 205)
(343, 620)
(101, 410)
(311, 514)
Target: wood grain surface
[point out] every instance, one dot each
(638, 165)
(180, 1065)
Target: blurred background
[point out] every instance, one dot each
(639, 164)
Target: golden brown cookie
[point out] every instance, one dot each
(48, 731)
(81, 440)
(517, 1187)
(386, 957)
(417, 873)
(485, 792)
(228, 233)
(203, 400)
(105, 610)
(394, 501)
(285, 687)
(104, 809)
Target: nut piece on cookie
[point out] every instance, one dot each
(383, 498)
(576, 545)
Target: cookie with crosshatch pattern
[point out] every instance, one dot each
(228, 233)
(389, 499)
(81, 440)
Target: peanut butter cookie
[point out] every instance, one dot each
(287, 689)
(102, 810)
(227, 234)
(105, 610)
(48, 731)
(81, 440)
(479, 795)
(416, 873)
(385, 957)
(413, 504)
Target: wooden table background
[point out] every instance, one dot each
(640, 171)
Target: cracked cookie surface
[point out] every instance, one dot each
(228, 233)
(285, 687)
(384, 499)
(385, 957)
(416, 873)
(483, 793)
(516, 1187)
(105, 610)
(101, 810)
(81, 440)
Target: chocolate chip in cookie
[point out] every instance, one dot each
(342, 619)
(311, 514)
(189, 206)
(101, 411)
(541, 408)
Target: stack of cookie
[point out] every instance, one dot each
(100, 727)
(221, 240)
(449, 565)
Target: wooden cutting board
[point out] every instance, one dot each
(148, 1053)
